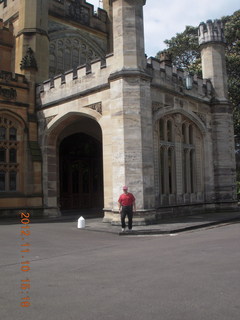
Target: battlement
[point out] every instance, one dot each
(165, 75)
(81, 12)
(211, 32)
(12, 78)
(6, 34)
(85, 78)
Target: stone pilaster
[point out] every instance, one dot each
(32, 33)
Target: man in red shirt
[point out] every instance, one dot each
(127, 205)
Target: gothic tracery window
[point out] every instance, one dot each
(167, 156)
(9, 146)
(179, 145)
(68, 53)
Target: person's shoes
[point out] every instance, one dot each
(123, 229)
(129, 230)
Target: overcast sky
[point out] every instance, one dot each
(164, 18)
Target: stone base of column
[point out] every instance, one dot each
(227, 206)
(15, 212)
(140, 218)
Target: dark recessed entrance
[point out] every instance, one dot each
(81, 176)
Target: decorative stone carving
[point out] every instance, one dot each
(202, 117)
(96, 106)
(7, 76)
(156, 106)
(29, 60)
(10, 94)
(48, 119)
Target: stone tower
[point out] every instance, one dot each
(131, 105)
(212, 46)
(128, 35)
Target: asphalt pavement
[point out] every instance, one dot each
(166, 226)
(55, 271)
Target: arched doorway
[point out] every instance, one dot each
(80, 172)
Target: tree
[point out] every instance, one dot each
(185, 54)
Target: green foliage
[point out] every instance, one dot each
(185, 54)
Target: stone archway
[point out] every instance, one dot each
(80, 172)
(62, 135)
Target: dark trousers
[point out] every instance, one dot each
(127, 211)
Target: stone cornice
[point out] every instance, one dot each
(74, 96)
(134, 1)
(27, 31)
(129, 73)
(181, 94)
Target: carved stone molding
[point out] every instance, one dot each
(202, 117)
(48, 119)
(156, 106)
(95, 106)
(5, 75)
(29, 60)
(10, 94)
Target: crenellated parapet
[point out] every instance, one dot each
(211, 31)
(96, 76)
(14, 78)
(14, 90)
(75, 83)
(166, 76)
(80, 12)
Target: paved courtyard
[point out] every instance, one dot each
(88, 275)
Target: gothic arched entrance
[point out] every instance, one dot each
(80, 172)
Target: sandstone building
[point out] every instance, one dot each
(83, 112)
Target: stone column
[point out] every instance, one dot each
(212, 46)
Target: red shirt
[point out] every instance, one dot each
(126, 199)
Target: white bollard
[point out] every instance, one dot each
(81, 223)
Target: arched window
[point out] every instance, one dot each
(166, 158)
(184, 133)
(9, 146)
(170, 170)
(169, 130)
(2, 154)
(67, 59)
(2, 181)
(69, 52)
(75, 58)
(60, 67)
(179, 158)
(185, 171)
(12, 181)
(162, 167)
(192, 169)
(161, 129)
(2, 133)
(13, 155)
(190, 134)
(13, 134)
